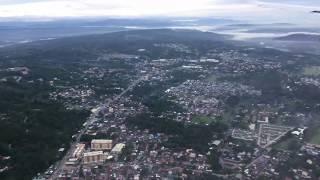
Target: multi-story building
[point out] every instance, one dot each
(118, 148)
(94, 157)
(101, 144)
(78, 151)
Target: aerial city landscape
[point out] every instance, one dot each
(125, 98)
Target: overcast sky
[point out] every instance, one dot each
(291, 11)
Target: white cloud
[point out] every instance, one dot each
(62, 8)
(272, 10)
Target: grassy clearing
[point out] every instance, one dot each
(315, 138)
(312, 71)
(203, 120)
(284, 144)
(212, 78)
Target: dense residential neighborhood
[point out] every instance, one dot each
(173, 109)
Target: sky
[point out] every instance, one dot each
(286, 11)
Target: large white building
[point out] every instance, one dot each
(118, 148)
(94, 157)
(101, 144)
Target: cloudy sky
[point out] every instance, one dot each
(252, 10)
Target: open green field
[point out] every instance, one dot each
(315, 138)
(284, 144)
(312, 71)
(212, 78)
(203, 120)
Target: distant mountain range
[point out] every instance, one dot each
(19, 31)
(300, 37)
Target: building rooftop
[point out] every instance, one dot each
(93, 153)
(101, 141)
(118, 147)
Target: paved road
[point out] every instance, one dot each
(60, 164)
